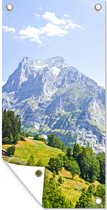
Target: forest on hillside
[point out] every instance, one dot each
(79, 161)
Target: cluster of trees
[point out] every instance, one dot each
(92, 166)
(39, 137)
(56, 164)
(52, 195)
(52, 141)
(88, 197)
(53, 198)
(81, 161)
(11, 127)
(23, 135)
(78, 160)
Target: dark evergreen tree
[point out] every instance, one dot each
(69, 152)
(54, 141)
(37, 137)
(102, 162)
(11, 127)
(76, 151)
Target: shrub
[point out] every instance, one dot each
(10, 151)
(60, 180)
(31, 161)
(22, 138)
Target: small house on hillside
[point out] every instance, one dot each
(4, 152)
(30, 137)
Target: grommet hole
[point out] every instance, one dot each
(38, 173)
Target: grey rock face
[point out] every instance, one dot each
(59, 99)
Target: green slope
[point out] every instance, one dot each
(39, 150)
(71, 188)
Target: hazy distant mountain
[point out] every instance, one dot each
(55, 97)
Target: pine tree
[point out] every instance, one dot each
(11, 127)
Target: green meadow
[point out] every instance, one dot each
(38, 149)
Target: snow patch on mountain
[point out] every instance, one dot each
(56, 98)
(55, 71)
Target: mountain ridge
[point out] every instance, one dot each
(58, 98)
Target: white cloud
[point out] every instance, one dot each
(31, 33)
(52, 18)
(36, 34)
(54, 26)
(63, 22)
(8, 29)
(53, 30)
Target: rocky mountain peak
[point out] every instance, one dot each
(56, 60)
(58, 98)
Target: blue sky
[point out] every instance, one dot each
(46, 28)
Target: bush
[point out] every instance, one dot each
(60, 180)
(31, 161)
(22, 138)
(11, 151)
(37, 137)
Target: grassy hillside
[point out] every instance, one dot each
(71, 188)
(23, 150)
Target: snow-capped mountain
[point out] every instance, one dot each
(59, 99)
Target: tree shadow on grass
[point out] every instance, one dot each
(68, 177)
